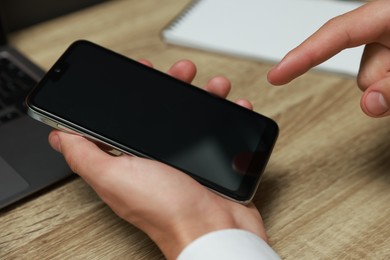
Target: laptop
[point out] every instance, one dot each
(27, 162)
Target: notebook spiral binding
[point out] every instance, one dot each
(182, 15)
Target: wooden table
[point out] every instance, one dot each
(325, 193)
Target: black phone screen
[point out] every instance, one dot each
(148, 113)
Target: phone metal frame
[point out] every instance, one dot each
(118, 149)
(115, 151)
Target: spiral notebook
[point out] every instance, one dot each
(262, 30)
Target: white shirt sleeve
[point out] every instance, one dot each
(228, 244)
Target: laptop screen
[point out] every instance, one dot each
(3, 37)
(22, 13)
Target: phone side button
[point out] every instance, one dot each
(105, 147)
(114, 152)
(67, 130)
(101, 145)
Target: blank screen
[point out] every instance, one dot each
(143, 110)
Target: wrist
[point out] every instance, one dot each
(174, 238)
(216, 214)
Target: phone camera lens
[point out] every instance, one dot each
(58, 71)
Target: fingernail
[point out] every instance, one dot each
(55, 142)
(376, 103)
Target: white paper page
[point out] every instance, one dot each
(260, 29)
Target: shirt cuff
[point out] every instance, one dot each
(228, 244)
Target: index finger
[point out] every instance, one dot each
(363, 25)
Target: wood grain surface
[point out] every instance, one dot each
(324, 195)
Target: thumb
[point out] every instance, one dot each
(375, 101)
(82, 155)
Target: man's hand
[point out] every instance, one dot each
(168, 205)
(370, 25)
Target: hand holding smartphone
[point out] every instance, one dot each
(138, 110)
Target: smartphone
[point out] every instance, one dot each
(138, 110)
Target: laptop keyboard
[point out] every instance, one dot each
(14, 86)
